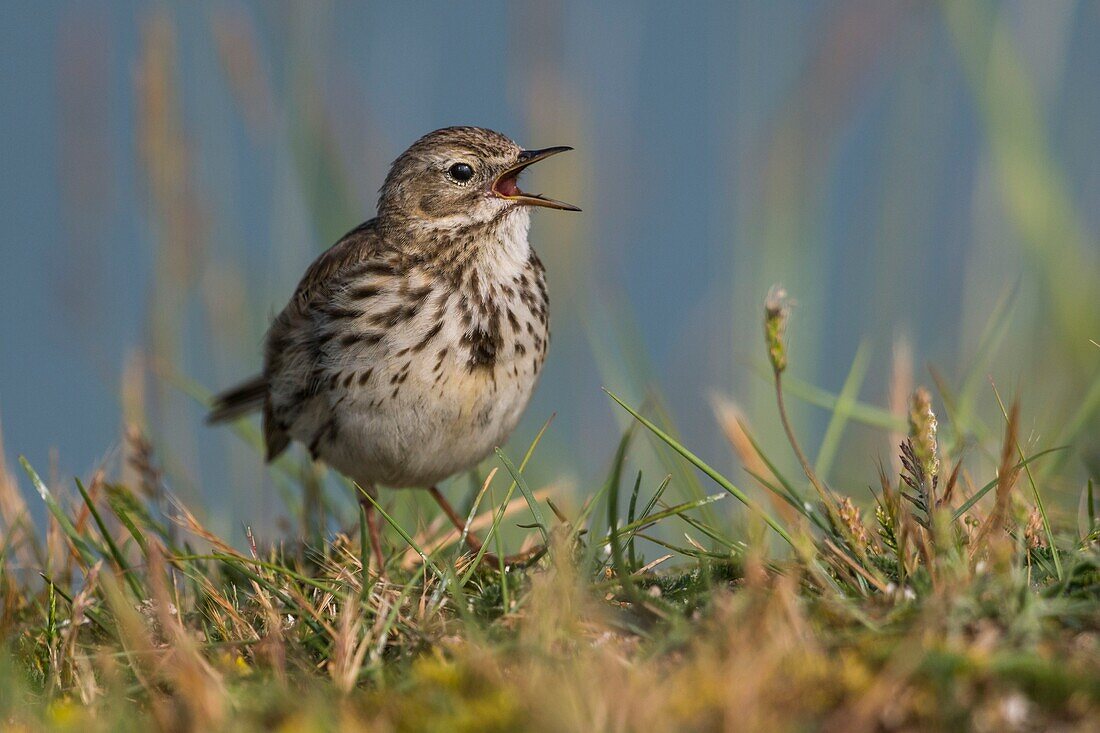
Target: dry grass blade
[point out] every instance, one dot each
(1034, 488)
(432, 540)
(1007, 473)
(192, 678)
(730, 419)
(16, 534)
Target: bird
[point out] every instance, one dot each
(411, 348)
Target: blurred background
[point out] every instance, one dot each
(922, 177)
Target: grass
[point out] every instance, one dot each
(954, 602)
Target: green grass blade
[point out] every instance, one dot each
(364, 553)
(656, 496)
(84, 548)
(227, 558)
(789, 493)
(127, 521)
(651, 519)
(842, 411)
(706, 469)
(498, 517)
(116, 554)
(989, 486)
(653, 500)
(686, 478)
(706, 529)
(624, 572)
(96, 615)
(391, 617)
(494, 534)
(685, 551)
(536, 511)
(498, 542)
(1092, 508)
(630, 517)
(861, 412)
(613, 477)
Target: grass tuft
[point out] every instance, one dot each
(936, 606)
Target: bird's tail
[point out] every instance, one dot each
(239, 401)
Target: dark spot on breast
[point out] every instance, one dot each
(431, 334)
(482, 346)
(485, 415)
(364, 377)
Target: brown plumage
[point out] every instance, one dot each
(410, 348)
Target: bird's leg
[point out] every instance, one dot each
(474, 542)
(373, 529)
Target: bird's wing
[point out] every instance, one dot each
(297, 360)
(355, 248)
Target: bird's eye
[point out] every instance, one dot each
(461, 172)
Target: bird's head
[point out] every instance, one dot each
(460, 177)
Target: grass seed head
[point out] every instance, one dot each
(1034, 534)
(850, 516)
(777, 311)
(922, 430)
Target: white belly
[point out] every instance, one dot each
(429, 430)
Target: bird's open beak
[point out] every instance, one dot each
(505, 186)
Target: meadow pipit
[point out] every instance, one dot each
(412, 346)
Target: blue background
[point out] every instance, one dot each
(908, 170)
